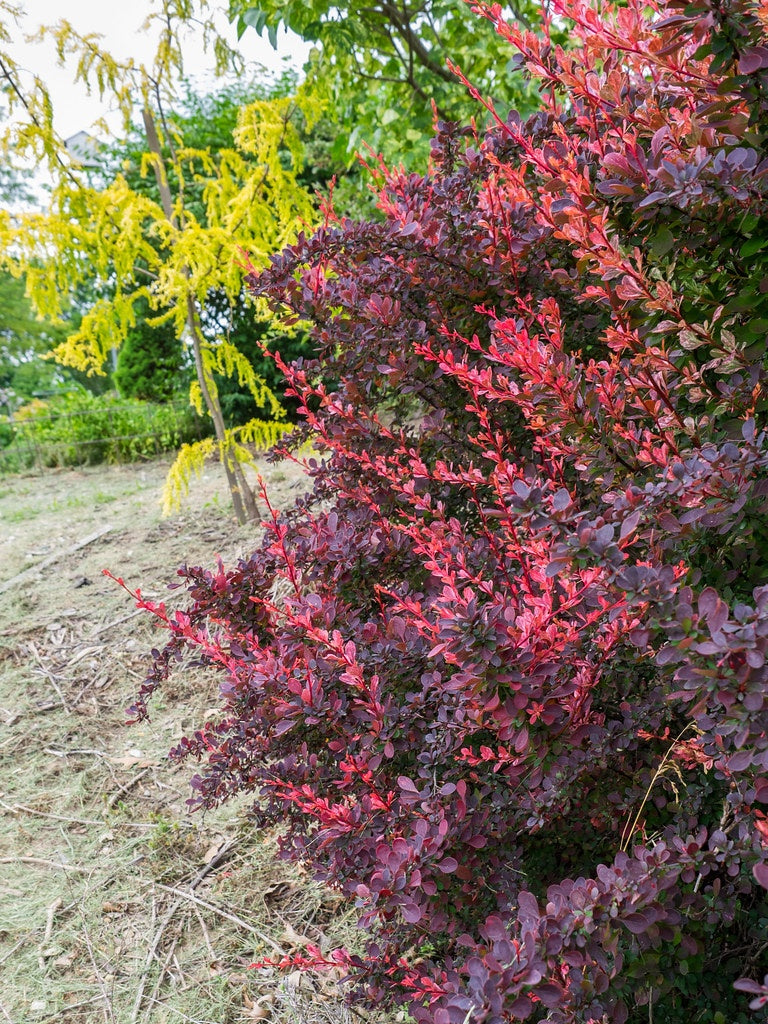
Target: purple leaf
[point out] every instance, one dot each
(521, 1008)
(561, 500)
(752, 59)
(740, 761)
(494, 929)
(650, 200)
(747, 985)
(629, 524)
(447, 865)
(411, 912)
(637, 922)
(708, 601)
(551, 994)
(760, 871)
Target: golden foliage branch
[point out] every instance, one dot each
(135, 248)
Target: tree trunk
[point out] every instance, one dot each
(243, 498)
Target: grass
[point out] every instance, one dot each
(21, 515)
(94, 499)
(116, 906)
(103, 917)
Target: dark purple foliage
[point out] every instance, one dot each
(513, 702)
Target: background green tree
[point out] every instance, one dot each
(385, 64)
(24, 338)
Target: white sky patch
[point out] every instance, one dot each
(119, 22)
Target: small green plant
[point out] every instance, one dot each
(172, 847)
(21, 514)
(84, 429)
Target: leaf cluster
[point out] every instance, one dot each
(502, 676)
(383, 66)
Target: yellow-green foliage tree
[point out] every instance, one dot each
(169, 253)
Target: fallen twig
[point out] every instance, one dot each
(77, 750)
(182, 979)
(160, 978)
(47, 705)
(45, 863)
(19, 944)
(50, 914)
(53, 558)
(68, 1007)
(52, 680)
(16, 808)
(84, 654)
(108, 1011)
(46, 672)
(166, 920)
(116, 622)
(127, 787)
(225, 914)
(83, 690)
(206, 936)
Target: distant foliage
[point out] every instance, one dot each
(149, 364)
(257, 337)
(382, 66)
(515, 702)
(80, 429)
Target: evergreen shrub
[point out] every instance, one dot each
(149, 364)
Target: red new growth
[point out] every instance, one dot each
(535, 550)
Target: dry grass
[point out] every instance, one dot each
(116, 906)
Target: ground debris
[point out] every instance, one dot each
(97, 847)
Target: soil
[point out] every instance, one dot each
(115, 904)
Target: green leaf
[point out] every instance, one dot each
(753, 245)
(255, 17)
(749, 222)
(662, 242)
(389, 116)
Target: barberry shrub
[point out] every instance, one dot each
(502, 674)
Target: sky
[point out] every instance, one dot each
(119, 22)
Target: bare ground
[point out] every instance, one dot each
(116, 905)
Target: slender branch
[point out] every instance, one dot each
(403, 25)
(377, 78)
(153, 142)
